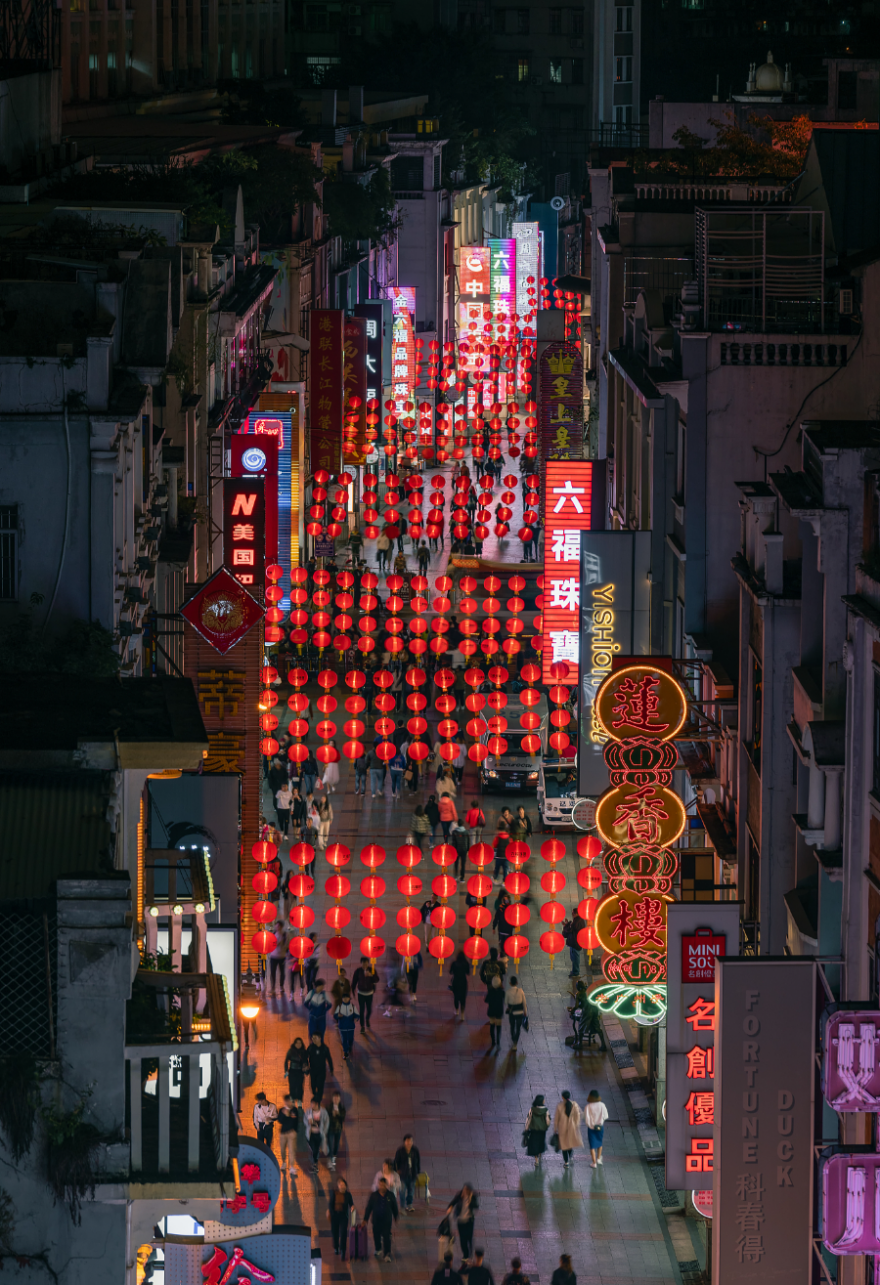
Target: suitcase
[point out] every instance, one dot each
(358, 1246)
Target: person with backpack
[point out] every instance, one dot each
(458, 976)
(502, 838)
(535, 1129)
(317, 1006)
(491, 967)
(419, 827)
(446, 1273)
(339, 1211)
(345, 1023)
(480, 1273)
(382, 1210)
(459, 837)
(363, 985)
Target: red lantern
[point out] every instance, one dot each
(264, 912)
(590, 847)
(264, 942)
(516, 946)
(442, 947)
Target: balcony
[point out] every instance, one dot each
(783, 350)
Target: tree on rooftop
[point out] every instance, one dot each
(771, 148)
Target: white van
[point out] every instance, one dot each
(515, 770)
(557, 792)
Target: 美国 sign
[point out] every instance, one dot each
(244, 529)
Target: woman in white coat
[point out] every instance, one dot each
(567, 1127)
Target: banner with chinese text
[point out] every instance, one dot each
(244, 527)
(325, 389)
(354, 384)
(561, 402)
(568, 510)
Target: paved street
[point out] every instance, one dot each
(421, 1071)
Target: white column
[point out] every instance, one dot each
(816, 799)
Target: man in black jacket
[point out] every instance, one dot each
(319, 1059)
(408, 1163)
(382, 1208)
(480, 1273)
(446, 1275)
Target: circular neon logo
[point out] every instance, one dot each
(253, 459)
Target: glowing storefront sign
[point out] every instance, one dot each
(502, 275)
(561, 392)
(568, 510)
(244, 530)
(851, 1060)
(640, 708)
(526, 237)
(403, 350)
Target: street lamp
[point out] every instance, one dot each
(248, 1006)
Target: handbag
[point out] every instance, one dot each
(445, 1229)
(554, 1142)
(525, 1022)
(525, 1137)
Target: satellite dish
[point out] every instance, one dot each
(557, 203)
(583, 814)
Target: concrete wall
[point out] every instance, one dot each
(419, 256)
(30, 120)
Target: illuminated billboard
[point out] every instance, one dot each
(569, 508)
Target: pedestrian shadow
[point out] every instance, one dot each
(248, 1073)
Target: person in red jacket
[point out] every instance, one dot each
(448, 814)
(475, 819)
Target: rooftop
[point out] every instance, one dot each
(54, 825)
(842, 434)
(145, 722)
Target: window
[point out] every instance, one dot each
(577, 71)
(522, 22)
(555, 20)
(522, 69)
(681, 464)
(499, 17)
(846, 90)
(875, 773)
(625, 19)
(623, 69)
(556, 71)
(577, 22)
(317, 66)
(9, 552)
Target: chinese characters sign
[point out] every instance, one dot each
(697, 936)
(568, 510)
(640, 709)
(403, 350)
(851, 1203)
(325, 389)
(763, 1131)
(222, 611)
(354, 383)
(372, 312)
(851, 1060)
(561, 392)
(502, 275)
(244, 539)
(254, 454)
(526, 237)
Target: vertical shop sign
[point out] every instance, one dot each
(373, 314)
(763, 1134)
(561, 391)
(697, 935)
(502, 275)
(568, 510)
(325, 389)
(354, 383)
(403, 349)
(256, 454)
(244, 548)
(526, 237)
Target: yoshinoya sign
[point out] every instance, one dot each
(763, 1135)
(614, 621)
(697, 935)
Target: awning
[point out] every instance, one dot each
(283, 337)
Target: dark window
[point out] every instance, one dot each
(846, 91)
(875, 773)
(407, 174)
(8, 551)
(555, 20)
(500, 17)
(757, 714)
(577, 71)
(522, 22)
(577, 22)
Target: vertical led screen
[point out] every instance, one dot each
(325, 389)
(473, 296)
(372, 312)
(403, 349)
(615, 615)
(526, 237)
(697, 935)
(568, 510)
(561, 392)
(502, 275)
(257, 454)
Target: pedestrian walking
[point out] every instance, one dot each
(317, 1006)
(459, 838)
(427, 909)
(310, 971)
(382, 1210)
(340, 990)
(345, 1019)
(377, 773)
(298, 811)
(320, 1061)
(446, 1273)
(491, 967)
(383, 550)
(517, 1010)
(388, 1174)
(397, 767)
(463, 1207)
(339, 1211)
(458, 972)
(459, 761)
(480, 1273)
(325, 820)
(571, 937)
(567, 1127)
(535, 1129)
(416, 964)
(363, 985)
(309, 775)
(525, 822)
(564, 1275)
(295, 1065)
(335, 1122)
(424, 557)
(402, 529)
(595, 1113)
(317, 1122)
(278, 958)
(499, 923)
(502, 838)
(475, 820)
(446, 783)
(516, 1275)
(361, 767)
(448, 814)
(283, 804)
(495, 1009)
(331, 772)
(265, 1115)
(408, 1166)
(288, 1123)
(432, 812)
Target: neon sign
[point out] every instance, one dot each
(639, 709)
(568, 510)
